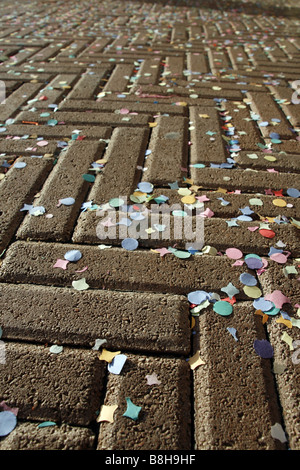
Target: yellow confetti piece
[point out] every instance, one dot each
(221, 190)
(279, 202)
(270, 158)
(195, 360)
(184, 191)
(188, 199)
(204, 116)
(107, 413)
(288, 323)
(107, 355)
(287, 339)
(253, 292)
(181, 103)
(152, 124)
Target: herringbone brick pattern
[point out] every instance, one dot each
(121, 121)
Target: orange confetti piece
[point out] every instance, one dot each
(263, 315)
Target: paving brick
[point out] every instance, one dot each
(18, 98)
(18, 188)
(165, 407)
(169, 150)
(235, 396)
(124, 154)
(66, 180)
(239, 179)
(267, 110)
(121, 318)
(28, 436)
(67, 391)
(76, 118)
(111, 268)
(206, 147)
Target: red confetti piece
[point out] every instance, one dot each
(267, 233)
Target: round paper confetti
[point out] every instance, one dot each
(67, 201)
(20, 165)
(279, 258)
(252, 291)
(145, 187)
(293, 192)
(188, 199)
(8, 422)
(254, 263)
(116, 202)
(130, 244)
(267, 233)
(248, 279)
(223, 308)
(263, 348)
(234, 253)
(279, 202)
(262, 304)
(73, 255)
(197, 297)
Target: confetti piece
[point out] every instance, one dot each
(233, 332)
(80, 284)
(107, 413)
(267, 233)
(278, 298)
(8, 422)
(278, 433)
(263, 348)
(279, 202)
(67, 201)
(132, 410)
(230, 290)
(130, 244)
(145, 187)
(89, 178)
(262, 304)
(108, 356)
(73, 255)
(61, 263)
(223, 308)
(20, 165)
(195, 361)
(252, 291)
(116, 365)
(234, 253)
(288, 340)
(285, 322)
(153, 379)
(56, 349)
(46, 424)
(263, 315)
(248, 279)
(116, 202)
(197, 297)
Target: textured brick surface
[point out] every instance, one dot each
(175, 124)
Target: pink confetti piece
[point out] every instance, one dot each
(278, 298)
(82, 270)
(203, 198)
(252, 229)
(61, 263)
(42, 143)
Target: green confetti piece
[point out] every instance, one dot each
(89, 178)
(46, 424)
(132, 410)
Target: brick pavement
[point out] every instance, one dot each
(123, 123)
